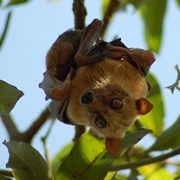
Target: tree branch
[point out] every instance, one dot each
(79, 21)
(79, 14)
(6, 173)
(10, 126)
(28, 135)
(114, 5)
(117, 167)
(79, 131)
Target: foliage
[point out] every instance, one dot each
(9, 95)
(176, 84)
(152, 14)
(88, 158)
(26, 162)
(156, 98)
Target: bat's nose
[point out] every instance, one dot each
(87, 97)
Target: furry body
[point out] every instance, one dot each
(96, 83)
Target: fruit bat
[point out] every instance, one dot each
(96, 83)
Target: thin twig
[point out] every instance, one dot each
(44, 139)
(36, 125)
(10, 126)
(79, 131)
(79, 21)
(114, 5)
(5, 29)
(173, 163)
(129, 165)
(6, 173)
(27, 135)
(79, 14)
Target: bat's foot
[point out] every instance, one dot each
(55, 89)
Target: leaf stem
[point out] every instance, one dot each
(10, 126)
(5, 29)
(117, 167)
(47, 150)
(112, 7)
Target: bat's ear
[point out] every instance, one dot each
(118, 42)
(143, 58)
(143, 106)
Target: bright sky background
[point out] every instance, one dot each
(36, 25)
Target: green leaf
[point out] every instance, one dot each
(16, 2)
(60, 156)
(155, 172)
(89, 158)
(120, 177)
(105, 4)
(153, 13)
(4, 178)
(155, 119)
(170, 138)
(26, 162)
(110, 175)
(136, 3)
(115, 176)
(9, 95)
(178, 2)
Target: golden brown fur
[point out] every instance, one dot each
(107, 80)
(95, 83)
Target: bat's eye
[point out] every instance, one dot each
(100, 122)
(116, 104)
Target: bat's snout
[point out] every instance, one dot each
(87, 97)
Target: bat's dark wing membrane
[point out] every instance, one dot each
(92, 49)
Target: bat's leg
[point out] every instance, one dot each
(56, 89)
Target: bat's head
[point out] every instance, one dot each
(108, 96)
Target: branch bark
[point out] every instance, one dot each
(79, 21)
(10, 126)
(79, 14)
(114, 5)
(6, 173)
(28, 135)
(79, 131)
(146, 161)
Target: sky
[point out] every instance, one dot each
(33, 29)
